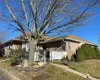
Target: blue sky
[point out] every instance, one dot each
(89, 32)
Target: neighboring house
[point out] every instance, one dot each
(11, 45)
(49, 49)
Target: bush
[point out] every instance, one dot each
(57, 61)
(86, 52)
(73, 58)
(17, 56)
(65, 58)
(79, 55)
(97, 52)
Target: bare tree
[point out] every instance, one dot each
(46, 17)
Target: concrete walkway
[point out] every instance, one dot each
(6, 75)
(11, 76)
(75, 72)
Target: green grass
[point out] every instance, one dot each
(55, 73)
(91, 67)
(57, 62)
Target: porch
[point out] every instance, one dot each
(51, 55)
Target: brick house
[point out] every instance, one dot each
(49, 48)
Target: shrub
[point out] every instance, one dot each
(86, 52)
(57, 61)
(73, 58)
(65, 58)
(17, 56)
(79, 55)
(97, 52)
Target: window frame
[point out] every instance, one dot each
(69, 45)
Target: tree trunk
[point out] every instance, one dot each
(32, 50)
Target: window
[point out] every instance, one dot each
(64, 47)
(69, 45)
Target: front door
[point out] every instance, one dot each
(48, 56)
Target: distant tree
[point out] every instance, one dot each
(45, 17)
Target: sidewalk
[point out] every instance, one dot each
(8, 76)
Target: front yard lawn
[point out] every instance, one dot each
(91, 67)
(49, 73)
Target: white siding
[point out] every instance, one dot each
(36, 56)
(57, 54)
(26, 46)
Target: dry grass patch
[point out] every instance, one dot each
(5, 65)
(55, 73)
(91, 67)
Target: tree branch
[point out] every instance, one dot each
(15, 19)
(25, 14)
(34, 16)
(75, 20)
(49, 13)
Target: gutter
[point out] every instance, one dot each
(82, 41)
(79, 41)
